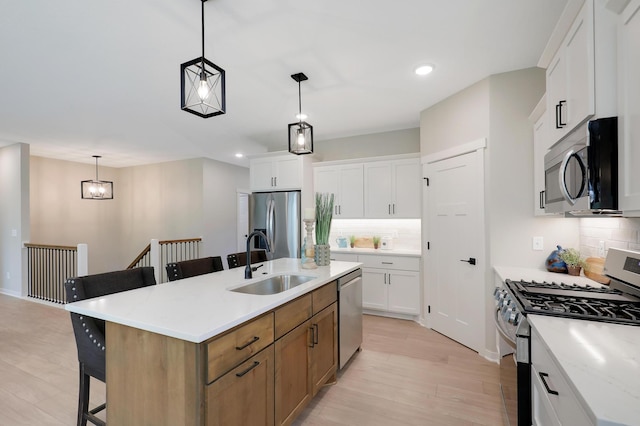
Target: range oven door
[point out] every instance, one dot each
(515, 371)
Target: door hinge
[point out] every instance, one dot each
(428, 309)
(427, 179)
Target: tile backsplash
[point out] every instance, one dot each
(623, 233)
(406, 233)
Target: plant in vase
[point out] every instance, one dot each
(324, 215)
(352, 241)
(376, 241)
(575, 262)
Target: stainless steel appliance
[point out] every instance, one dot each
(619, 303)
(349, 315)
(277, 215)
(581, 171)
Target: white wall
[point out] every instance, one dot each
(371, 145)
(497, 108)
(14, 216)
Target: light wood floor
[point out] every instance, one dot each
(405, 375)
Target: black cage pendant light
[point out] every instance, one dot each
(300, 133)
(202, 87)
(97, 189)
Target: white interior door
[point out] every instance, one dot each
(455, 223)
(242, 209)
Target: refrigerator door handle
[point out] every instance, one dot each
(271, 223)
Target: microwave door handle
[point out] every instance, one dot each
(561, 177)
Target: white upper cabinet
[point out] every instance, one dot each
(346, 182)
(276, 173)
(392, 189)
(581, 77)
(540, 148)
(629, 118)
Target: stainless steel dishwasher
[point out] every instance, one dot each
(349, 315)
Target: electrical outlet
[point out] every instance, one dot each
(601, 248)
(537, 243)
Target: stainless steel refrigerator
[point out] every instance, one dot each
(277, 215)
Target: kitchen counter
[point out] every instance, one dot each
(380, 252)
(602, 363)
(198, 308)
(532, 274)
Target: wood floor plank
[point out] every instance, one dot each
(405, 375)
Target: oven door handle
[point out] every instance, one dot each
(502, 332)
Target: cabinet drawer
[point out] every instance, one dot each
(344, 257)
(226, 352)
(292, 314)
(324, 296)
(565, 403)
(390, 262)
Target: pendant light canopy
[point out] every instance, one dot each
(202, 85)
(96, 189)
(300, 133)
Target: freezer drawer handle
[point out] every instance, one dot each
(546, 386)
(254, 365)
(255, 339)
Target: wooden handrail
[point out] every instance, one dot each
(186, 240)
(49, 246)
(146, 250)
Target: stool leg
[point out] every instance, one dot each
(83, 397)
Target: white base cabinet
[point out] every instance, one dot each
(553, 400)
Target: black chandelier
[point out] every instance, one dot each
(202, 85)
(300, 133)
(96, 189)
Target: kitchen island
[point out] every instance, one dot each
(176, 352)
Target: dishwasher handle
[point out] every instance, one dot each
(349, 278)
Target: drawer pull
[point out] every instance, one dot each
(546, 386)
(315, 334)
(313, 337)
(255, 364)
(255, 339)
(387, 263)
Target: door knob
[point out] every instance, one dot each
(471, 260)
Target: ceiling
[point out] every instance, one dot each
(85, 77)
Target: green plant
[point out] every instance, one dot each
(572, 258)
(352, 240)
(376, 240)
(324, 214)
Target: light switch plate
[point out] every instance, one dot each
(538, 243)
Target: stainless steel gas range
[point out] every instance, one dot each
(618, 303)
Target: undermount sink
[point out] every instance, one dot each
(274, 285)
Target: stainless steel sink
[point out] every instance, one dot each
(274, 285)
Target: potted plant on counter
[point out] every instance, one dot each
(376, 241)
(352, 241)
(324, 214)
(575, 262)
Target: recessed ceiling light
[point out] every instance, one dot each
(239, 155)
(302, 116)
(424, 69)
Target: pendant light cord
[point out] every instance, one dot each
(299, 104)
(203, 34)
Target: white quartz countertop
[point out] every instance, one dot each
(198, 308)
(602, 363)
(532, 274)
(379, 252)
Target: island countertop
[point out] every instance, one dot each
(198, 308)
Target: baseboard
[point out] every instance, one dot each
(10, 293)
(391, 315)
(491, 356)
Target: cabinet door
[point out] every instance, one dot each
(557, 97)
(261, 174)
(243, 396)
(404, 292)
(293, 373)
(324, 352)
(288, 173)
(629, 120)
(377, 189)
(539, 150)
(407, 189)
(374, 289)
(351, 189)
(580, 68)
(326, 179)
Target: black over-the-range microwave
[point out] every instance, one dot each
(581, 171)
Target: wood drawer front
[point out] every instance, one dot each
(390, 262)
(565, 403)
(292, 314)
(324, 296)
(226, 352)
